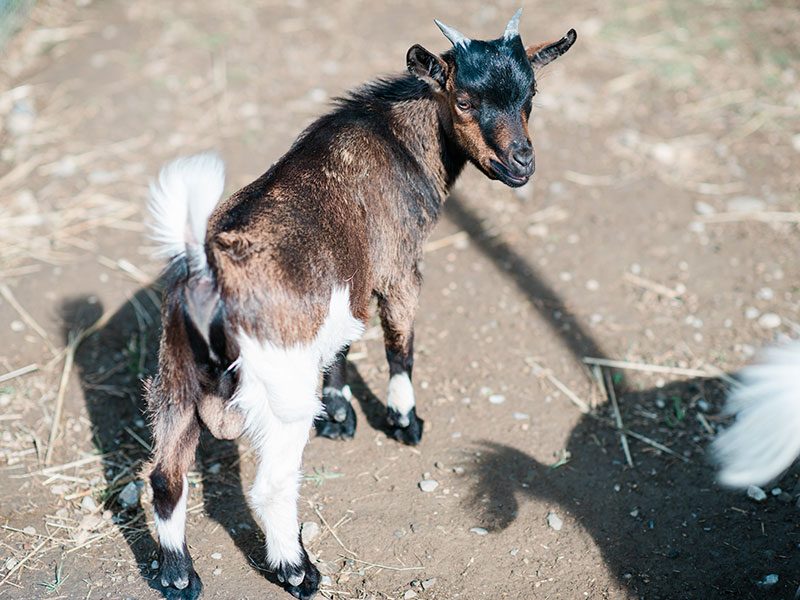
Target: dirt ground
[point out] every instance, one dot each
(660, 229)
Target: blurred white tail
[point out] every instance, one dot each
(181, 201)
(765, 439)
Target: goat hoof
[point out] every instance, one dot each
(301, 581)
(178, 578)
(405, 428)
(339, 419)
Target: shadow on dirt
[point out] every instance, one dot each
(664, 528)
(111, 365)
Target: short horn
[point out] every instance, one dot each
(512, 29)
(456, 37)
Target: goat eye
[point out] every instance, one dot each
(463, 104)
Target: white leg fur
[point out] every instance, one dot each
(278, 395)
(765, 439)
(275, 490)
(401, 395)
(172, 531)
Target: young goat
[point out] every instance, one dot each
(270, 288)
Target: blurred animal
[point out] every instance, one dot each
(267, 289)
(765, 439)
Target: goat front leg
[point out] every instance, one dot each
(175, 432)
(397, 318)
(339, 419)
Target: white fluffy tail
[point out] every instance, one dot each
(765, 439)
(181, 201)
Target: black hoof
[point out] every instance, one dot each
(178, 579)
(405, 428)
(301, 581)
(339, 420)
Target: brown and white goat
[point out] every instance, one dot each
(269, 288)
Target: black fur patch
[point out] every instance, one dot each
(339, 420)
(177, 576)
(165, 497)
(411, 434)
(311, 577)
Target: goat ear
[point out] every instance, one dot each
(547, 52)
(427, 66)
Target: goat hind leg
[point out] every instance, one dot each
(176, 432)
(274, 498)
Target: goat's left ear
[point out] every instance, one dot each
(547, 52)
(427, 66)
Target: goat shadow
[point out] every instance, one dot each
(111, 365)
(665, 530)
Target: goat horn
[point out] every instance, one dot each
(451, 34)
(512, 29)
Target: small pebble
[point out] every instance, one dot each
(751, 312)
(521, 416)
(776, 491)
(17, 326)
(664, 153)
(409, 594)
(29, 530)
(428, 583)
(497, 399)
(756, 493)
(703, 405)
(766, 293)
(216, 555)
(428, 485)
(769, 321)
(309, 532)
(703, 208)
(326, 580)
(768, 581)
(478, 531)
(592, 285)
(554, 521)
(458, 470)
(88, 504)
(216, 571)
(129, 496)
(11, 563)
(214, 469)
(154, 565)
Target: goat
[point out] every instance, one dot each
(765, 439)
(270, 287)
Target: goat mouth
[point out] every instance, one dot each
(504, 174)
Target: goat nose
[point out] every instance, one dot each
(522, 153)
